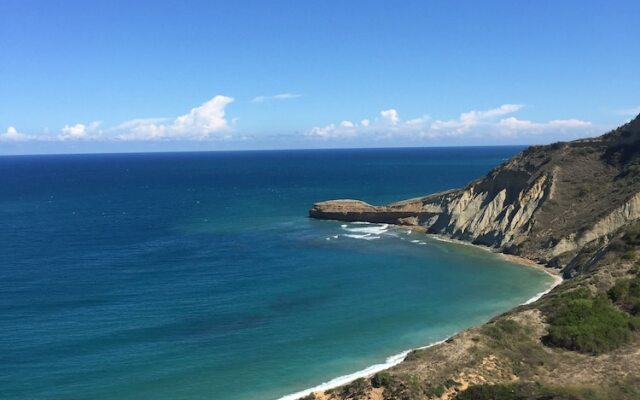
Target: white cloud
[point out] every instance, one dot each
(345, 129)
(513, 126)
(12, 135)
(202, 122)
(514, 123)
(80, 131)
(475, 123)
(494, 112)
(391, 115)
(280, 96)
(470, 119)
(569, 123)
(418, 121)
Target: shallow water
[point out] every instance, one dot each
(199, 276)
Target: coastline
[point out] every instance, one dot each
(526, 262)
(390, 362)
(396, 359)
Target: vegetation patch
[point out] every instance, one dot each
(626, 294)
(535, 391)
(381, 379)
(581, 322)
(511, 340)
(355, 390)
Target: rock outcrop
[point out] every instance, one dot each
(546, 203)
(355, 210)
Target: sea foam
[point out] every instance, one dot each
(374, 229)
(367, 232)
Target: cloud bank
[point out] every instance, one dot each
(494, 122)
(206, 121)
(209, 122)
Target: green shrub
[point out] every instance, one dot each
(619, 291)
(354, 390)
(627, 389)
(626, 294)
(634, 324)
(587, 324)
(502, 329)
(381, 379)
(632, 170)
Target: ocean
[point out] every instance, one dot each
(200, 276)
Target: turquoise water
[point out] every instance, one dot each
(199, 276)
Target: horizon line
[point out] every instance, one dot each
(267, 150)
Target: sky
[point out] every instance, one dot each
(128, 76)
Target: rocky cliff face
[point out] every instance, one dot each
(546, 203)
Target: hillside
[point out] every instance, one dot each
(572, 206)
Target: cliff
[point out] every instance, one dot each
(573, 206)
(546, 204)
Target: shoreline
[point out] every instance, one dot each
(390, 362)
(526, 262)
(396, 359)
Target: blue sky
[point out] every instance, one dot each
(78, 76)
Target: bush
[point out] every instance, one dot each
(502, 330)
(626, 294)
(619, 291)
(627, 389)
(634, 324)
(354, 390)
(632, 170)
(381, 379)
(587, 324)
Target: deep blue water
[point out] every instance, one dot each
(199, 276)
